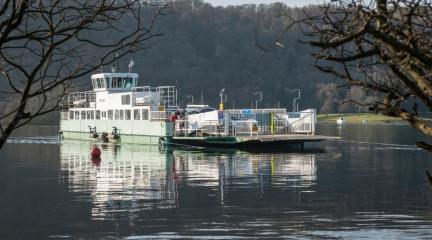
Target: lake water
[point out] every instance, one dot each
(371, 185)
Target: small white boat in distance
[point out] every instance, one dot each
(340, 121)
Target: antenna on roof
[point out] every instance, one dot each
(131, 64)
(117, 62)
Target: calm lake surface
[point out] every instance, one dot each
(371, 185)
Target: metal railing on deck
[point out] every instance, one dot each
(235, 123)
(160, 115)
(81, 99)
(305, 123)
(245, 128)
(183, 128)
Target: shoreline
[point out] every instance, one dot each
(359, 118)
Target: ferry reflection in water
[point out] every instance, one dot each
(132, 178)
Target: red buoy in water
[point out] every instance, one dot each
(95, 152)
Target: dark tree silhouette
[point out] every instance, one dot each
(46, 44)
(384, 46)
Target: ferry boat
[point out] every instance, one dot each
(117, 110)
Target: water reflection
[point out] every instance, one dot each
(371, 185)
(126, 178)
(134, 178)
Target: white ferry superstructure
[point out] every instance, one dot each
(117, 110)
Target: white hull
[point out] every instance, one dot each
(130, 131)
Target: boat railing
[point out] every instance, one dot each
(255, 111)
(245, 128)
(304, 123)
(184, 128)
(155, 96)
(81, 99)
(264, 122)
(160, 115)
(250, 124)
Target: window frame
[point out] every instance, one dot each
(116, 114)
(127, 114)
(145, 114)
(137, 114)
(110, 114)
(121, 114)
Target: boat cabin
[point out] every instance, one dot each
(114, 81)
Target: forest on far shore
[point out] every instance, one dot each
(204, 49)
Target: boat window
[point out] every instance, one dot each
(145, 114)
(102, 83)
(137, 115)
(110, 114)
(88, 114)
(121, 114)
(71, 115)
(114, 82)
(107, 80)
(116, 114)
(127, 114)
(92, 114)
(94, 83)
(128, 82)
(76, 114)
(98, 116)
(125, 99)
(83, 114)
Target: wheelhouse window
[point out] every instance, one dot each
(137, 115)
(127, 114)
(125, 99)
(122, 82)
(115, 82)
(99, 83)
(127, 81)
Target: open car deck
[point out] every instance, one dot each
(275, 140)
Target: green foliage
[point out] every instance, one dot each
(205, 49)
